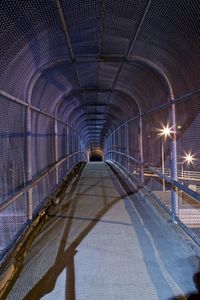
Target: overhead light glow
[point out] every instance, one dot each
(165, 131)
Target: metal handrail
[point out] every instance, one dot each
(172, 182)
(124, 154)
(36, 109)
(31, 184)
(175, 183)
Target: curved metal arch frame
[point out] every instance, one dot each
(114, 114)
(35, 77)
(77, 92)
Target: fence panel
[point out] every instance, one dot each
(12, 148)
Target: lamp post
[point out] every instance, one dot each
(164, 132)
(163, 163)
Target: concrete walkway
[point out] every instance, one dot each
(101, 244)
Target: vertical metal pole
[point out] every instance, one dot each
(78, 148)
(110, 148)
(68, 147)
(113, 146)
(118, 145)
(74, 147)
(182, 169)
(29, 162)
(173, 160)
(163, 163)
(141, 148)
(56, 148)
(127, 145)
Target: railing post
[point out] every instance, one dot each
(141, 148)
(173, 159)
(29, 161)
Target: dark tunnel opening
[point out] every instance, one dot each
(95, 158)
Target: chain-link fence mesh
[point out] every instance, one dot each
(12, 148)
(13, 164)
(125, 149)
(12, 220)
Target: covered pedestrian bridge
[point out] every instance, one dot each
(99, 149)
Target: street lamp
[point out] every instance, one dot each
(188, 159)
(164, 132)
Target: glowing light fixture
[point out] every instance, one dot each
(189, 158)
(165, 131)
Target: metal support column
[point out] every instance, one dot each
(127, 144)
(163, 162)
(56, 148)
(115, 145)
(141, 149)
(29, 162)
(111, 146)
(173, 159)
(118, 144)
(68, 165)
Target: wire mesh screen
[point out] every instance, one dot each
(133, 138)
(43, 139)
(153, 124)
(31, 37)
(12, 148)
(157, 152)
(63, 169)
(13, 142)
(62, 140)
(43, 189)
(188, 127)
(12, 220)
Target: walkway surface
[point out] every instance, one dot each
(102, 244)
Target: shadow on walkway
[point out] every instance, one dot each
(74, 227)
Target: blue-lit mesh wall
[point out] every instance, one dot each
(31, 37)
(62, 140)
(12, 148)
(12, 169)
(42, 140)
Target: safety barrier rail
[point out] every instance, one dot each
(185, 210)
(15, 215)
(11, 199)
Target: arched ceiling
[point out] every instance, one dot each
(97, 63)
